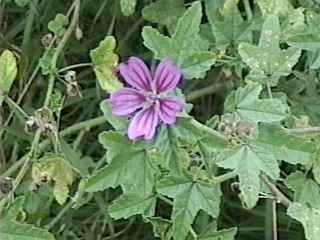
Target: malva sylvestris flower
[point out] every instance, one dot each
(149, 98)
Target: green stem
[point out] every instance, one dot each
(60, 47)
(301, 131)
(60, 215)
(281, 198)
(88, 124)
(75, 66)
(29, 24)
(10, 102)
(209, 131)
(204, 91)
(247, 9)
(225, 177)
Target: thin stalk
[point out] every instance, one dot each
(225, 177)
(88, 124)
(281, 198)
(301, 131)
(29, 24)
(247, 9)
(79, 65)
(204, 91)
(9, 101)
(59, 216)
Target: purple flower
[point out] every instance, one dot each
(150, 98)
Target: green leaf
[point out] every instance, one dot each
(15, 208)
(306, 191)
(293, 24)
(8, 71)
(227, 24)
(11, 230)
(249, 160)
(79, 163)
(245, 104)
(45, 62)
(285, 146)
(277, 7)
(165, 12)
(267, 61)
(189, 197)
(161, 227)
(132, 169)
(225, 234)
(309, 217)
(22, 3)
(169, 148)
(186, 48)
(128, 6)
(105, 62)
(118, 123)
(59, 24)
(132, 204)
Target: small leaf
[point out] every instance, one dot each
(309, 217)
(11, 230)
(267, 61)
(45, 62)
(132, 204)
(58, 25)
(105, 62)
(189, 197)
(128, 6)
(8, 71)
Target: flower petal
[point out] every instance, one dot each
(167, 76)
(136, 74)
(144, 124)
(126, 101)
(169, 108)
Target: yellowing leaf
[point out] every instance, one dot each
(54, 168)
(8, 71)
(105, 62)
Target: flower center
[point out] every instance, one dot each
(152, 98)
